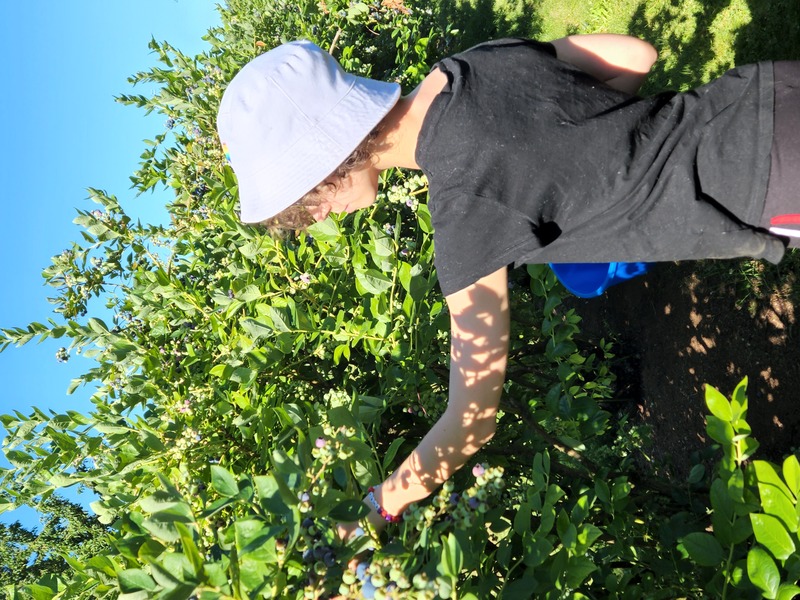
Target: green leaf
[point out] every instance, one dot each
(778, 504)
(740, 398)
(742, 530)
(162, 500)
(223, 482)
(217, 506)
(791, 473)
(721, 501)
(537, 549)
(349, 511)
(763, 572)
(102, 564)
(772, 534)
(703, 548)
(522, 520)
(766, 473)
(163, 523)
(190, 549)
(720, 431)
(249, 294)
(578, 569)
(133, 580)
(97, 325)
(736, 485)
(788, 591)
(38, 592)
(269, 494)
(256, 329)
(388, 457)
(326, 231)
(221, 371)
(453, 557)
(697, 473)
(718, 404)
(374, 282)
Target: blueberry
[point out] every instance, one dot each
(361, 571)
(307, 522)
(308, 556)
(329, 559)
(474, 503)
(368, 590)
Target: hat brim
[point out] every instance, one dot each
(326, 145)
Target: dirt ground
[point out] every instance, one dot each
(677, 328)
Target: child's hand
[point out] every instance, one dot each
(349, 531)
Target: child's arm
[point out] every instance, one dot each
(479, 326)
(621, 61)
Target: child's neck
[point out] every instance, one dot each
(397, 142)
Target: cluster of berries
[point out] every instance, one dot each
(406, 192)
(318, 556)
(199, 191)
(62, 355)
(429, 406)
(334, 444)
(331, 447)
(189, 438)
(378, 580)
(386, 579)
(460, 509)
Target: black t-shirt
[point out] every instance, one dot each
(529, 159)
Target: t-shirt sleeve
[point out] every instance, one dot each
(474, 237)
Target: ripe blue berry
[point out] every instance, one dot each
(368, 590)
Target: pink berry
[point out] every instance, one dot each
(478, 470)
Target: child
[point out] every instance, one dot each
(534, 152)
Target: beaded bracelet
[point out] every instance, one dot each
(382, 511)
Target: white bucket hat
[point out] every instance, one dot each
(289, 118)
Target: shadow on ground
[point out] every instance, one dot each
(482, 20)
(681, 330)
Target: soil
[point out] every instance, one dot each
(680, 327)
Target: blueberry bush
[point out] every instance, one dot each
(249, 389)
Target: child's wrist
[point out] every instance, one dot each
(374, 500)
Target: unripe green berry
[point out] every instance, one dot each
(420, 581)
(349, 577)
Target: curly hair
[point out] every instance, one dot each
(298, 216)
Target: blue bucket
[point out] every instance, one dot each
(588, 280)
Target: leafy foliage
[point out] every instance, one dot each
(67, 533)
(249, 390)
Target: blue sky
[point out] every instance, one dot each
(64, 61)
